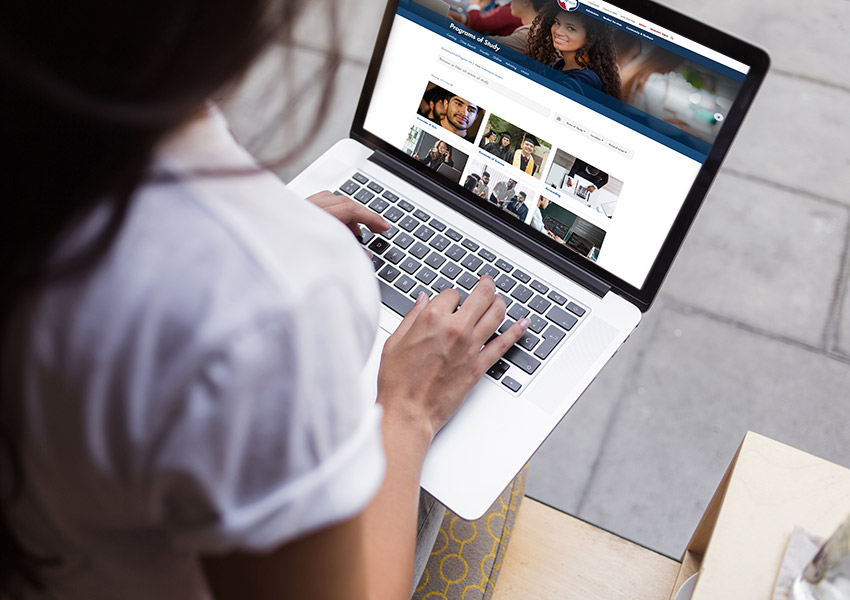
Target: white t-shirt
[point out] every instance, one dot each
(198, 391)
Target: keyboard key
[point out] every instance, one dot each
(403, 240)
(421, 214)
(507, 300)
(404, 283)
(455, 252)
(375, 187)
(441, 284)
(472, 262)
(504, 265)
(424, 233)
(389, 273)
(439, 242)
(378, 204)
(390, 233)
(539, 287)
(520, 358)
(419, 289)
(518, 312)
(364, 196)
(498, 369)
(467, 281)
(454, 235)
(437, 225)
(349, 187)
(469, 245)
(360, 177)
(488, 270)
(451, 270)
(486, 254)
(511, 383)
(405, 205)
(539, 304)
(528, 341)
(408, 223)
(410, 265)
(390, 196)
(537, 324)
(395, 299)
(435, 260)
(561, 318)
(393, 214)
(377, 262)
(394, 255)
(545, 349)
(575, 309)
(505, 326)
(379, 245)
(556, 298)
(522, 277)
(555, 332)
(521, 294)
(419, 250)
(426, 275)
(505, 283)
(551, 339)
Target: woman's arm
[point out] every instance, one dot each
(428, 367)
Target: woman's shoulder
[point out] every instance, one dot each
(584, 75)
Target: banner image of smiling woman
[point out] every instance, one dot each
(577, 45)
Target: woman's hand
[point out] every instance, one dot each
(435, 357)
(351, 213)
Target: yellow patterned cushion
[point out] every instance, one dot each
(468, 555)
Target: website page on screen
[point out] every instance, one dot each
(588, 125)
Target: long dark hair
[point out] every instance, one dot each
(597, 54)
(87, 90)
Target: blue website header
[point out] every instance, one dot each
(652, 127)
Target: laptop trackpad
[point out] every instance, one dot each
(577, 360)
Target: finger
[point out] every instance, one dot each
(421, 303)
(323, 198)
(446, 301)
(490, 320)
(351, 213)
(497, 348)
(479, 299)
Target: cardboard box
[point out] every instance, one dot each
(768, 489)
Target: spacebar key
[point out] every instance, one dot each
(395, 299)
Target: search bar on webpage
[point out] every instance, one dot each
(479, 76)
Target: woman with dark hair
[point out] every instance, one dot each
(181, 337)
(440, 154)
(578, 45)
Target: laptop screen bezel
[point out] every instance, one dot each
(555, 255)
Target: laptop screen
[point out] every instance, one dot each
(582, 122)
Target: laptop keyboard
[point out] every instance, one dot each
(421, 254)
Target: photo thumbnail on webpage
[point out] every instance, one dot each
(571, 179)
(515, 146)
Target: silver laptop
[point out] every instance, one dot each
(585, 285)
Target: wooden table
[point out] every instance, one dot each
(553, 555)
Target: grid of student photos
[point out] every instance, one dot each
(550, 189)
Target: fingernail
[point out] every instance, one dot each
(524, 323)
(422, 297)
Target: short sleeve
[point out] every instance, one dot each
(269, 439)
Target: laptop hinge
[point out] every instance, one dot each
(541, 252)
